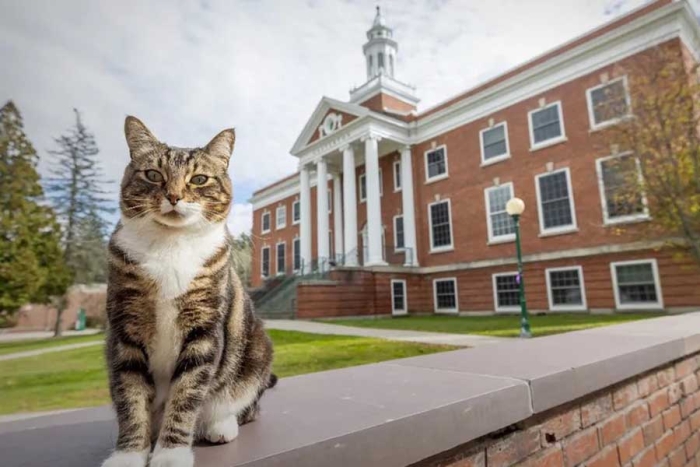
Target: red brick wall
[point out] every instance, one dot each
(369, 293)
(382, 102)
(93, 299)
(650, 420)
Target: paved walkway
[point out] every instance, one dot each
(59, 348)
(20, 336)
(458, 340)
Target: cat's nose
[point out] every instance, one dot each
(173, 199)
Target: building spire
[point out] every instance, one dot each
(380, 49)
(378, 19)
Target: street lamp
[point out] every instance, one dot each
(515, 207)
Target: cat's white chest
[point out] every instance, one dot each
(172, 260)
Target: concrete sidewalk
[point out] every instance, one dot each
(59, 348)
(20, 336)
(458, 340)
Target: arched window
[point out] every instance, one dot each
(391, 65)
(380, 60)
(369, 65)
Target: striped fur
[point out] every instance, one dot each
(187, 357)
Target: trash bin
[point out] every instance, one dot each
(80, 321)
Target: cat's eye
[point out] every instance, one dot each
(199, 180)
(154, 176)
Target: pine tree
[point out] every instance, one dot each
(32, 266)
(77, 191)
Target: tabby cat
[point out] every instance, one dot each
(188, 359)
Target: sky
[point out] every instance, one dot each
(189, 69)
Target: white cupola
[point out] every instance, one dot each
(382, 91)
(380, 49)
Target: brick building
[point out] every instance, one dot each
(415, 201)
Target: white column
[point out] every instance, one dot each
(337, 215)
(409, 213)
(374, 208)
(322, 214)
(305, 225)
(350, 206)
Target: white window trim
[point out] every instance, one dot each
(425, 161)
(277, 270)
(396, 242)
(279, 226)
(262, 222)
(502, 157)
(394, 166)
(563, 229)
(359, 185)
(295, 222)
(435, 300)
(643, 216)
(394, 311)
(550, 142)
(502, 309)
(550, 297)
(295, 241)
(489, 226)
(659, 305)
(444, 248)
(591, 116)
(262, 261)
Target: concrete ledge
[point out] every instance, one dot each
(393, 413)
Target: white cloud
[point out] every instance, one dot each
(190, 69)
(240, 220)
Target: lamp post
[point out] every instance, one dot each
(514, 208)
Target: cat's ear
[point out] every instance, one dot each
(221, 146)
(139, 138)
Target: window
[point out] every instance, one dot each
(445, 294)
(265, 222)
(397, 175)
(281, 257)
(546, 125)
(265, 262)
(620, 191)
(380, 60)
(398, 297)
(281, 218)
(296, 251)
(506, 291)
(608, 103)
(500, 225)
(494, 144)
(565, 289)
(399, 242)
(555, 202)
(440, 226)
(636, 285)
(363, 186)
(436, 164)
(296, 212)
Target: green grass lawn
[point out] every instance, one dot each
(77, 378)
(35, 344)
(500, 325)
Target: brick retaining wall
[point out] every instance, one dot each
(650, 420)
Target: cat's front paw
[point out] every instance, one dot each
(222, 431)
(172, 457)
(127, 459)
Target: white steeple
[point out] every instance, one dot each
(380, 49)
(380, 59)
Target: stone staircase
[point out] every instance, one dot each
(278, 300)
